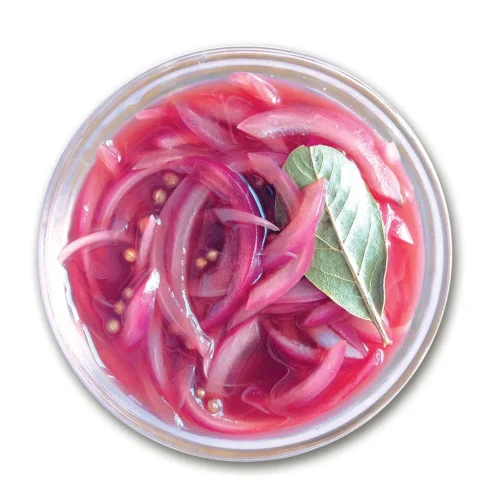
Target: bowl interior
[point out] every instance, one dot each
(76, 161)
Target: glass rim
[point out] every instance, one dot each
(193, 60)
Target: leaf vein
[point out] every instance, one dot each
(332, 275)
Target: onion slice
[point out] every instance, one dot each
(207, 130)
(327, 337)
(302, 226)
(146, 242)
(303, 291)
(152, 114)
(156, 160)
(216, 281)
(286, 190)
(287, 341)
(110, 157)
(278, 309)
(346, 132)
(226, 215)
(375, 360)
(178, 218)
(156, 354)
(256, 398)
(99, 238)
(347, 332)
(194, 410)
(231, 189)
(395, 227)
(237, 346)
(324, 314)
(257, 87)
(320, 378)
(231, 109)
(139, 313)
(276, 283)
(176, 139)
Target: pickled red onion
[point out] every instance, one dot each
(238, 344)
(257, 87)
(345, 132)
(226, 215)
(312, 386)
(139, 313)
(99, 238)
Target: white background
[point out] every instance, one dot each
(437, 62)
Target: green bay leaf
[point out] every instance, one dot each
(350, 258)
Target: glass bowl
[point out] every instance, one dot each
(76, 161)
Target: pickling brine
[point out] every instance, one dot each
(244, 255)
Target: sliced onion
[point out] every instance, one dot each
(156, 160)
(119, 190)
(239, 316)
(236, 347)
(216, 281)
(207, 130)
(146, 242)
(368, 331)
(171, 371)
(230, 109)
(237, 162)
(277, 158)
(286, 190)
(347, 133)
(347, 332)
(249, 285)
(99, 238)
(226, 215)
(156, 354)
(110, 157)
(139, 313)
(391, 153)
(276, 283)
(326, 337)
(302, 226)
(278, 145)
(219, 422)
(89, 198)
(180, 215)
(158, 163)
(286, 339)
(203, 290)
(257, 87)
(176, 139)
(285, 309)
(156, 403)
(152, 114)
(236, 109)
(349, 386)
(303, 291)
(230, 188)
(256, 398)
(395, 227)
(324, 314)
(178, 218)
(320, 378)
(182, 382)
(271, 261)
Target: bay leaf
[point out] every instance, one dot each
(350, 258)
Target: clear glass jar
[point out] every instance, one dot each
(76, 161)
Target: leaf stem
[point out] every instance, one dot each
(376, 319)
